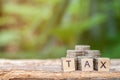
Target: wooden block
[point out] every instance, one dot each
(102, 64)
(68, 64)
(85, 63)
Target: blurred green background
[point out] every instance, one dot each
(47, 28)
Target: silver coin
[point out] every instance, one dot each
(74, 53)
(82, 47)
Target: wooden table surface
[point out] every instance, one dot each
(51, 70)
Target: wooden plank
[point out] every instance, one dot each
(51, 70)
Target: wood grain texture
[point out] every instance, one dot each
(51, 70)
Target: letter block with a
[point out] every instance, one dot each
(102, 64)
(68, 64)
(85, 64)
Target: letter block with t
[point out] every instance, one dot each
(102, 64)
(68, 64)
(85, 64)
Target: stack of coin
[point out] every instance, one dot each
(92, 53)
(74, 53)
(82, 47)
(79, 63)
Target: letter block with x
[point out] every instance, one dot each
(102, 64)
(68, 64)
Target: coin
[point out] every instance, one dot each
(82, 47)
